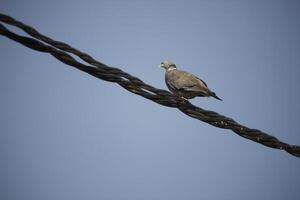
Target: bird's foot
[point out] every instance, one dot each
(185, 99)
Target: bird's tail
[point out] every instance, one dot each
(215, 96)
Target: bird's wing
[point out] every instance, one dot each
(182, 80)
(203, 82)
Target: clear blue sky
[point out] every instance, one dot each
(67, 135)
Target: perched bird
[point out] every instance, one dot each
(184, 84)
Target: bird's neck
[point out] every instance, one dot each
(171, 68)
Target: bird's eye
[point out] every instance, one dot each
(162, 63)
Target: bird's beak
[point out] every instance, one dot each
(161, 65)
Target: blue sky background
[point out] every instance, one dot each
(67, 135)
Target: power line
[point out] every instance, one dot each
(133, 84)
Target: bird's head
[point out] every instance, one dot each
(167, 65)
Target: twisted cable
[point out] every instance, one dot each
(62, 51)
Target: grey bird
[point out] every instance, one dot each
(184, 84)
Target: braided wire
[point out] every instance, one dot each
(135, 85)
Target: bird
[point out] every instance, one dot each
(185, 84)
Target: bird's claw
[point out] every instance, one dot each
(185, 99)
